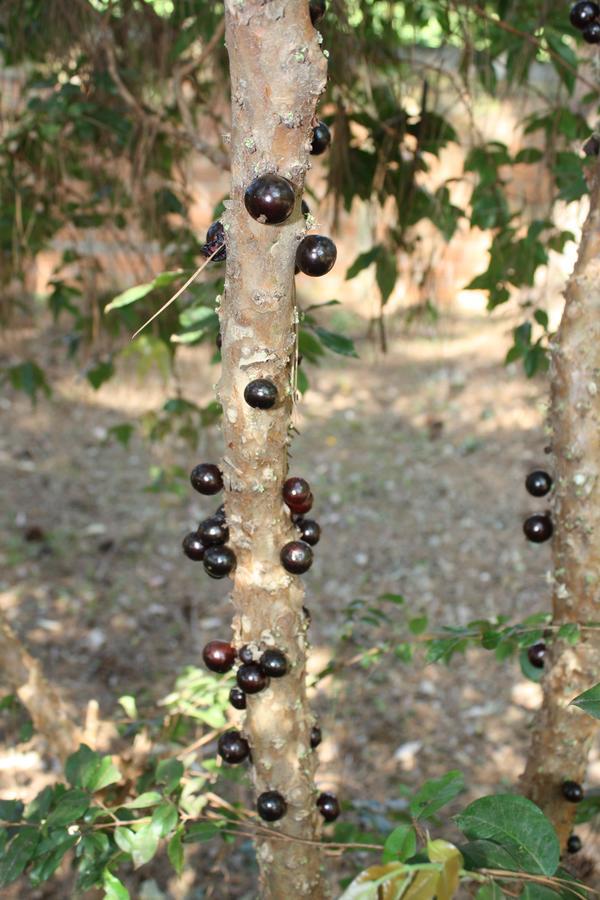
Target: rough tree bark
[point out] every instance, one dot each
(562, 734)
(277, 74)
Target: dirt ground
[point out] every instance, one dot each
(417, 461)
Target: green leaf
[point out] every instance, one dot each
(589, 701)
(132, 294)
(418, 625)
(17, 854)
(149, 798)
(386, 273)
(29, 378)
(114, 889)
(127, 701)
(87, 769)
(200, 831)
(141, 845)
(337, 343)
(363, 261)
(122, 432)
(70, 807)
(569, 632)
(491, 891)
(101, 372)
(164, 819)
(302, 381)
(169, 772)
(541, 317)
(400, 844)
(175, 851)
(533, 673)
(435, 793)
(47, 865)
(11, 810)
(529, 155)
(516, 824)
(487, 855)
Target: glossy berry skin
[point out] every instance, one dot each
(271, 806)
(303, 507)
(260, 394)
(274, 663)
(233, 748)
(315, 737)
(317, 10)
(583, 14)
(296, 557)
(270, 199)
(206, 479)
(310, 531)
(251, 678)
(591, 34)
(193, 547)
(215, 240)
(538, 483)
(219, 561)
(295, 492)
(321, 139)
(536, 654)
(316, 255)
(245, 654)
(218, 656)
(237, 698)
(213, 532)
(572, 791)
(328, 806)
(538, 528)
(574, 844)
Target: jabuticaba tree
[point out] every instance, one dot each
(278, 71)
(562, 734)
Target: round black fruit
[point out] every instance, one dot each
(536, 654)
(245, 654)
(591, 34)
(218, 656)
(215, 240)
(237, 698)
(538, 483)
(328, 806)
(206, 479)
(271, 806)
(315, 736)
(296, 557)
(574, 844)
(583, 14)
(193, 547)
(270, 199)
(233, 748)
(310, 531)
(251, 678)
(213, 532)
(317, 10)
(321, 139)
(219, 561)
(296, 492)
(316, 255)
(274, 663)
(538, 528)
(572, 791)
(260, 394)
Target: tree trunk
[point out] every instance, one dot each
(277, 74)
(24, 676)
(562, 734)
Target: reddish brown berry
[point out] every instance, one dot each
(251, 678)
(270, 199)
(218, 656)
(296, 557)
(310, 531)
(315, 736)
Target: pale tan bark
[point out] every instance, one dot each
(23, 674)
(277, 74)
(562, 734)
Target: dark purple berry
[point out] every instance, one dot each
(193, 547)
(317, 10)
(271, 806)
(536, 654)
(591, 34)
(574, 844)
(328, 806)
(274, 663)
(207, 479)
(219, 561)
(316, 255)
(237, 698)
(583, 14)
(538, 483)
(270, 199)
(572, 791)
(215, 240)
(260, 394)
(232, 747)
(310, 531)
(321, 139)
(213, 532)
(315, 737)
(251, 678)
(218, 656)
(296, 493)
(538, 528)
(245, 654)
(296, 557)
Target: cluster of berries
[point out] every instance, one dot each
(585, 16)
(208, 543)
(538, 528)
